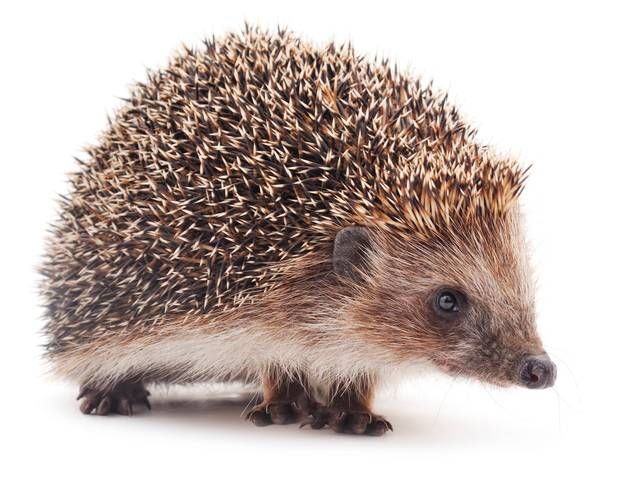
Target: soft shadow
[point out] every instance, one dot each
(198, 409)
(224, 408)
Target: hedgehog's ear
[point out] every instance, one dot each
(350, 248)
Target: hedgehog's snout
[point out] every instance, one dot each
(537, 372)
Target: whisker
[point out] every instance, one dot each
(443, 400)
(558, 358)
(253, 401)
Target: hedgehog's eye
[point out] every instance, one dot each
(448, 302)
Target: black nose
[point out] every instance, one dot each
(537, 372)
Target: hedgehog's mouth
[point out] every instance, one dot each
(486, 374)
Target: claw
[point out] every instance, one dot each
(306, 423)
(124, 407)
(87, 405)
(259, 417)
(82, 393)
(317, 420)
(104, 407)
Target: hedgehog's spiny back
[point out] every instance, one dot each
(241, 156)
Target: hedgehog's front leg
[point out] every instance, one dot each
(348, 410)
(285, 401)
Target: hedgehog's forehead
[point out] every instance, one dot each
(487, 258)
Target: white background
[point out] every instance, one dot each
(538, 80)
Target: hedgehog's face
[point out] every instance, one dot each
(465, 303)
(486, 333)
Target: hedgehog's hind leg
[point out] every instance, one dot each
(119, 398)
(285, 401)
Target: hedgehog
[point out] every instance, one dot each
(294, 217)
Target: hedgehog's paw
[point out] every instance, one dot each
(349, 421)
(119, 399)
(278, 412)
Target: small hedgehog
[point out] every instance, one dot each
(266, 211)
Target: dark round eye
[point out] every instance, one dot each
(448, 302)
